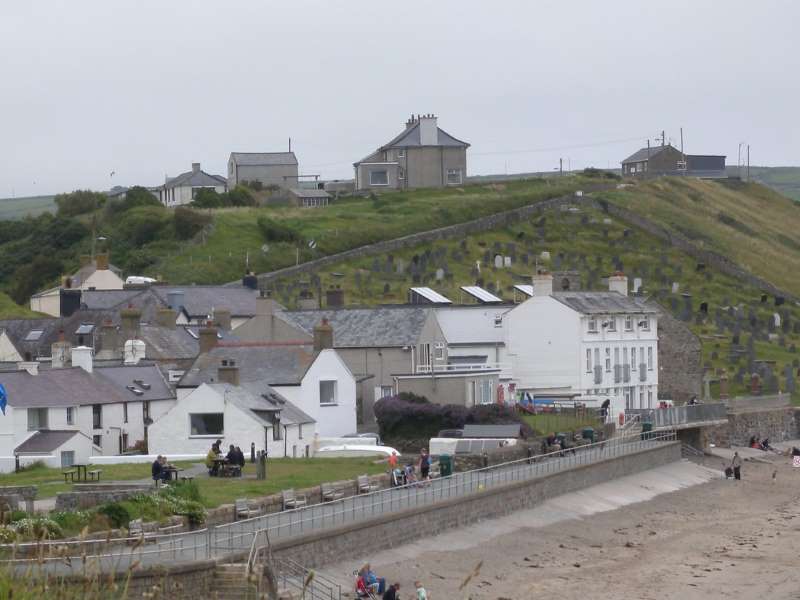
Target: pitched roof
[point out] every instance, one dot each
(411, 137)
(146, 379)
(645, 153)
(274, 364)
(200, 300)
(115, 299)
(472, 325)
(195, 179)
(260, 398)
(309, 193)
(59, 387)
(589, 303)
(385, 326)
(254, 159)
(45, 441)
(491, 431)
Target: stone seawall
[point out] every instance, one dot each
(776, 424)
(399, 528)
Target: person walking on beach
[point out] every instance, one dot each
(421, 593)
(736, 463)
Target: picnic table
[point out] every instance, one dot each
(173, 472)
(81, 466)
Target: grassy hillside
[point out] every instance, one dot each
(752, 225)
(11, 310)
(589, 242)
(19, 208)
(785, 180)
(347, 223)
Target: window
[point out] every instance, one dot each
(70, 415)
(300, 431)
(641, 398)
(650, 358)
(146, 411)
(588, 360)
(453, 176)
(649, 398)
(439, 350)
(486, 391)
(124, 412)
(401, 173)
(401, 153)
(625, 356)
(644, 324)
(37, 419)
(206, 424)
(641, 354)
(33, 335)
(597, 357)
(612, 324)
(327, 392)
(97, 440)
(425, 355)
(616, 356)
(608, 359)
(97, 416)
(67, 458)
(633, 358)
(277, 432)
(379, 177)
(592, 325)
(386, 391)
(629, 323)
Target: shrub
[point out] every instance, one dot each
(17, 515)
(143, 224)
(79, 202)
(116, 513)
(273, 231)
(72, 522)
(188, 222)
(600, 173)
(240, 196)
(7, 535)
(38, 528)
(208, 198)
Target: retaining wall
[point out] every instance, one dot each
(776, 424)
(375, 535)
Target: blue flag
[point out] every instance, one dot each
(3, 398)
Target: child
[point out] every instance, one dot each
(421, 593)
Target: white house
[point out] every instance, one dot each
(183, 189)
(313, 378)
(589, 346)
(239, 415)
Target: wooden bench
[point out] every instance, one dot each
(364, 486)
(95, 473)
(292, 500)
(330, 492)
(70, 473)
(136, 530)
(243, 510)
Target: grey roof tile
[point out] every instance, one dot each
(59, 387)
(602, 303)
(196, 179)
(45, 441)
(253, 159)
(491, 431)
(644, 154)
(146, 378)
(200, 300)
(307, 193)
(411, 137)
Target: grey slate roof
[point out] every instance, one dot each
(59, 387)
(307, 193)
(45, 441)
(380, 327)
(644, 153)
(602, 303)
(135, 376)
(261, 398)
(274, 364)
(254, 159)
(200, 300)
(491, 431)
(195, 179)
(411, 137)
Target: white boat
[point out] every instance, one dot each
(353, 450)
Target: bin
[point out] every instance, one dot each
(647, 430)
(445, 465)
(588, 434)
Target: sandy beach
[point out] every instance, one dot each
(715, 538)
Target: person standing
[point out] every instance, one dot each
(391, 593)
(393, 461)
(421, 593)
(424, 464)
(736, 463)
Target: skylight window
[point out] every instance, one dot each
(34, 335)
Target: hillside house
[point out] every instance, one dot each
(277, 169)
(588, 346)
(668, 160)
(183, 189)
(237, 413)
(422, 155)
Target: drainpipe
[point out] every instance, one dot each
(285, 440)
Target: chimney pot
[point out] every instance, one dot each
(542, 283)
(228, 373)
(323, 336)
(618, 282)
(208, 339)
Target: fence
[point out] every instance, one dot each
(676, 416)
(240, 537)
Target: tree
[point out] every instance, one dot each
(188, 222)
(79, 202)
(208, 198)
(29, 278)
(143, 224)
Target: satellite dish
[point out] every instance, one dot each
(265, 248)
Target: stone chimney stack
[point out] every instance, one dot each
(165, 317)
(82, 357)
(228, 372)
(222, 318)
(60, 352)
(428, 130)
(101, 262)
(542, 284)
(110, 346)
(323, 336)
(208, 338)
(618, 282)
(195, 167)
(130, 318)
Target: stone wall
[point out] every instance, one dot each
(80, 500)
(679, 359)
(379, 534)
(777, 425)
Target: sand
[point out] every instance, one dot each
(714, 539)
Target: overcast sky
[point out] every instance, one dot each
(143, 88)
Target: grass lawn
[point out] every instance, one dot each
(282, 474)
(547, 423)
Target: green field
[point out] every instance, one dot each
(19, 208)
(785, 180)
(547, 423)
(11, 310)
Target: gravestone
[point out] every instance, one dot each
(439, 274)
(704, 308)
(525, 258)
(776, 319)
(400, 266)
(637, 284)
(498, 261)
(486, 259)
(507, 262)
(545, 255)
(788, 374)
(779, 300)
(676, 287)
(386, 289)
(687, 307)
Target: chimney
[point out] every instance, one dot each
(60, 352)
(165, 317)
(334, 297)
(195, 167)
(109, 340)
(208, 338)
(428, 131)
(222, 318)
(323, 336)
(175, 299)
(228, 372)
(250, 281)
(82, 357)
(129, 318)
(31, 366)
(134, 351)
(101, 262)
(618, 282)
(542, 284)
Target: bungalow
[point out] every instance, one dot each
(183, 189)
(668, 160)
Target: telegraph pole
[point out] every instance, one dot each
(739, 162)
(663, 138)
(561, 167)
(748, 163)
(683, 156)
